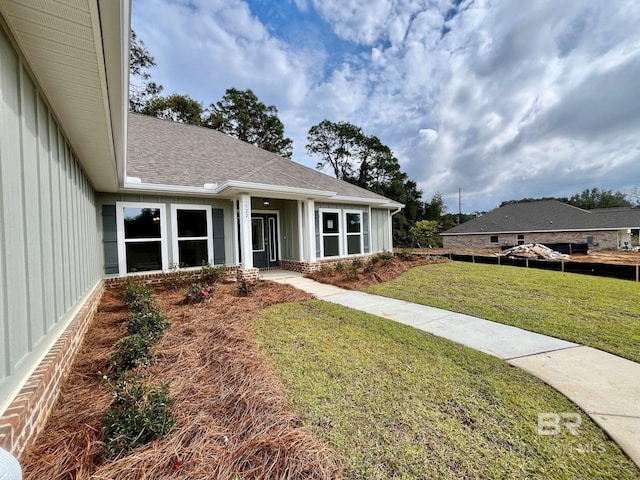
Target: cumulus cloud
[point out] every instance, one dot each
(502, 99)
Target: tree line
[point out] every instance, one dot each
(343, 148)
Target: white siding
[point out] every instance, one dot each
(48, 233)
(380, 230)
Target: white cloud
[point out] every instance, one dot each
(501, 99)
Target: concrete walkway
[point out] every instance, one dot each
(605, 386)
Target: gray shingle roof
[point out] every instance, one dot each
(163, 152)
(548, 215)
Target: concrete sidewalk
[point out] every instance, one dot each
(605, 386)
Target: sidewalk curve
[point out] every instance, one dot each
(605, 386)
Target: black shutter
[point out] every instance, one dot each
(110, 239)
(218, 236)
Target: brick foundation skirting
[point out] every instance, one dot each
(156, 278)
(28, 412)
(305, 267)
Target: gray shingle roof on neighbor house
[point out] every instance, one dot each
(548, 216)
(163, 152)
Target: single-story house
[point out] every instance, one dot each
(548, 222)
(89, 192)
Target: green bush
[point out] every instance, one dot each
(357, 263)
(130, 352)
(199, 293)
(150, 325)
(210, 274)
(340, 266)
(138, 414)
(247, 287)
(138, 297)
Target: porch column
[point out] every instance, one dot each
(301, 229)
(310, 231)
(246, 245)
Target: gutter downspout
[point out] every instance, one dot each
(391, 214)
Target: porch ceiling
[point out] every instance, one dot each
(78, 51)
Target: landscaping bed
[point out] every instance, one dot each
(358, 274)
(232, 415)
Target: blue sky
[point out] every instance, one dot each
(502, 99)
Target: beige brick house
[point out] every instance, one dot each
(548, 222)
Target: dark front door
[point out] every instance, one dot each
(264, 238)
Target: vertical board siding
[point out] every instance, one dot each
(49, 255)
(379, 230)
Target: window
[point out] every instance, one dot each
(354, 232)
(192, 235)
(494, 239)
(330, 231)
(141, 237)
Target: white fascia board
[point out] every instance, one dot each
(115, 23)
(381, 202)
(263, 188)
(134, 185)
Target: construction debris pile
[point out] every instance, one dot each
(535, 251)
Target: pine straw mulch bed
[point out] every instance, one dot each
(384, 271)
(233, 416)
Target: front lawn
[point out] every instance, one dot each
(397, 402)
(599, 312)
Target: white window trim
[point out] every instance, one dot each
(340, 233)
(122, 251)
(347, 234)
(174, 231)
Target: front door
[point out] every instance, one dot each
(264, 238)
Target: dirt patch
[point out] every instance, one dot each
(232, 413)
(349, 277)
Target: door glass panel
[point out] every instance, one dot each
(192, 223)
(272, 240)
(143, 256)
(141, 222)
(193, 253)
(331, 246)
(353, 244)
(257, 234)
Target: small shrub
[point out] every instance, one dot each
(370, 267)
(130, 352)
(135, 289)
(357, 263)
(326, 271)
(340, 266)
(200, 293)
(150, 325)
(375, 259)
(138, 414)
(247, 287)
(210, 274)
(407, 255)
(352, 272)
(176, 278)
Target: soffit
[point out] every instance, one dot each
(62, 42)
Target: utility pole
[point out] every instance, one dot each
(459, 206)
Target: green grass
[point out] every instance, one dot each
(397, 402)
(599, 312)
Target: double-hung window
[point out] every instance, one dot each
(330, 233)
(353, 221)
(141, 237)
(192, 235)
